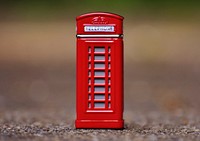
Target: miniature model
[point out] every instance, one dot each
(99, 71)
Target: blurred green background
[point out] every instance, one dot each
(67, 9)
(162, 53)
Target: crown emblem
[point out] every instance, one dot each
(99, 20)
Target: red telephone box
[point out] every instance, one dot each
(99, 82)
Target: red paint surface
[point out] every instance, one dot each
(110, 115)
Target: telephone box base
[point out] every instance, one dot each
(110, 124)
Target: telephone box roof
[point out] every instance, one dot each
(100, 14)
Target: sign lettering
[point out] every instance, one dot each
(99, 28)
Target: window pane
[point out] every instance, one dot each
(99, 49)
(89, 89)
(89, 81)
(99, 81)
(89, 105)
(89, 65)
(99, 89)
(109, 65)
(89, 49)
(99, 57)
(89, 97)
(99, 105)
(109, 89)
(109, 105)
(89, 73)
(109, 50)
(99, 65)
(99, 73)
(99, 97)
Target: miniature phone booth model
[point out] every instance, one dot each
(99, 82)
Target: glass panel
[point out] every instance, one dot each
(89, 49)
(99, 73)
(89, 73)
(109, 65)
(89, 105)
(109, 50)
(108, 89)
(99, 105)
(99, 97)
(89, 89)
(109, 105)
(109, 73)
(109, 97)
(109, 58)
(99, 57)
(99, 65)
(109, 81)
(89, 81)
(99, 89)
(89, 97)
(99, 49)
(89, 65)
(99, 81)
(89, 57)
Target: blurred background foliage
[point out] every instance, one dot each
(58, 9)
(38, 52)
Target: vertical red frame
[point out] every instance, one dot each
(110, 115)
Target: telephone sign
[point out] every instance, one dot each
(99, 28)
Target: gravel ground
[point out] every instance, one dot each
(150, 126)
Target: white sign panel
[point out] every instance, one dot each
(99, 28)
